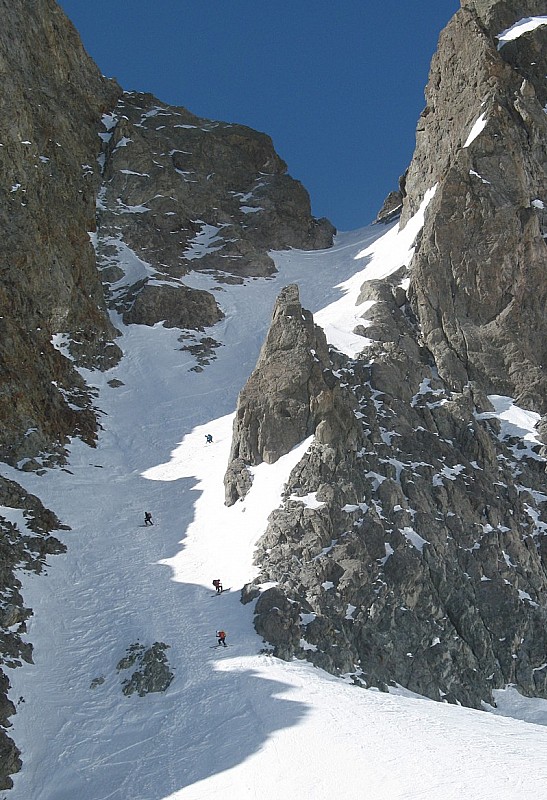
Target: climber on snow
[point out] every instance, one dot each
(148, 518)
(208, 438)
(221, 638)
(218, 586)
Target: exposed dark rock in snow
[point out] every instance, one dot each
(27, 548)
(152, 673)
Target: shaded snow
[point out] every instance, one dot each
(203, 242)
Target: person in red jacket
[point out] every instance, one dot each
(218, 586)
(221, 638)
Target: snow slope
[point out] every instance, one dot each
(234, 722)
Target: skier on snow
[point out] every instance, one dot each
(218, 586)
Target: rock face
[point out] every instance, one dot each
(175, 306)
(50, 286)
(478, 285)
(291, 394)
(423, 561)
(182, 194)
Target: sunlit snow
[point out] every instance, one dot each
(519, 28)
(515, 422)
(383, 257)
(478, 126)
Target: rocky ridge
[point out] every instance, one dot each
(25, 544)
(415, 554)
(419, 558)
(291, 394)
(182, 194)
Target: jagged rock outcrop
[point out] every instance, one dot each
(27, 548)
(175, 306)
(291, 394)
(478, 286)
(182, 194)
(391, 208)
(422, 559)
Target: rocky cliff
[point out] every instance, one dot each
(291, 394)
(52, 98)
(422, 560)
(50, 293)
(108, 199)
(478, 284)
(182, 194)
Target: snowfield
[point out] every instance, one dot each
(235, 722)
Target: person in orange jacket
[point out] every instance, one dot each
(221, 638)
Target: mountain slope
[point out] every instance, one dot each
(80, 161)
(235, 721)
(387, 479)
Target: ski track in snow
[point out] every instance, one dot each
(234, 722)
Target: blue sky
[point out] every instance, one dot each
(337, 85)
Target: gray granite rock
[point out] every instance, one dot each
(291, 394)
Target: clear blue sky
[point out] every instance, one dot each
(338, 85)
